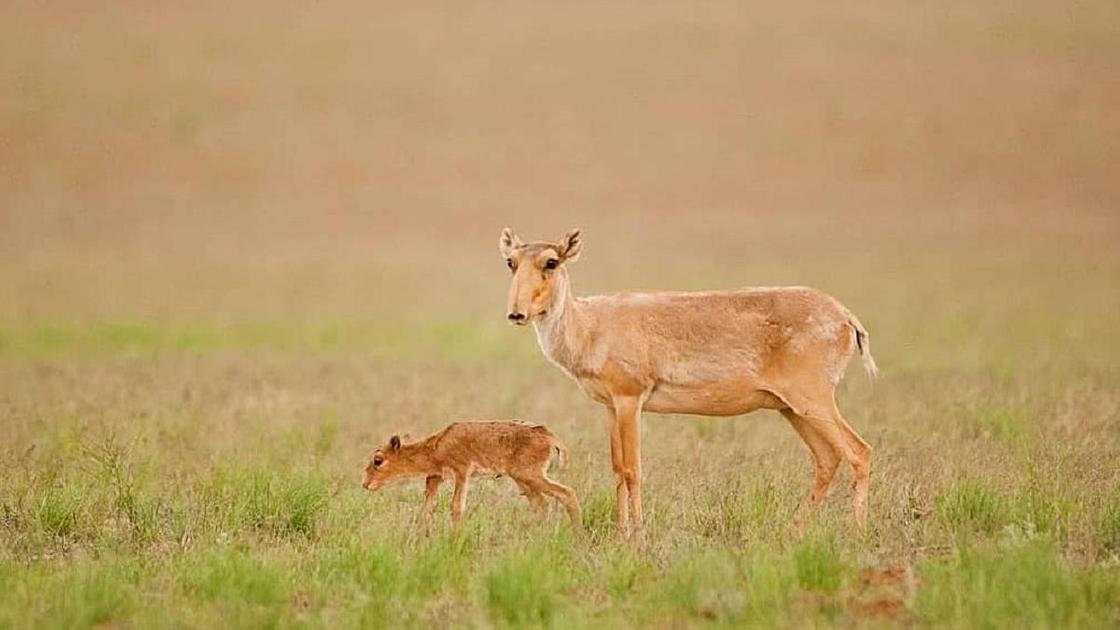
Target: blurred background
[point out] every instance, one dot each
(341, 170)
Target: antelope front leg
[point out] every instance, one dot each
(622, 493)
(628, 412)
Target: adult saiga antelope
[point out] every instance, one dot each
(713, 353)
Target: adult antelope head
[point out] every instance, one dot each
(539, 274)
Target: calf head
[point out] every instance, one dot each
(390, 463)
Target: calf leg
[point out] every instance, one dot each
(431, 490)
(459, 499)
(562, 494)
(535, 498)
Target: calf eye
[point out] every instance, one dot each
(551, 263)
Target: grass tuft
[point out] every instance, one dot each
(1026, 585)
(1108, 525)
(58, 510)
(226, 573)
(818, 564)
(623, 570)
(734, 513)
(262, 500)
(1045, 510)
(971, 506)
(526, 587)
(704, 585)
(93, 595)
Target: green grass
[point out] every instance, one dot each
(58, 510)
(971, 506)
(87, 594)
(526, 588)
(193, 500)
(452, 340)
(703, 585)
(1108, 524)
(755, 510)
(819, 564)
(1027, 584)
(208, 488)
(241, 245)
(229, 575)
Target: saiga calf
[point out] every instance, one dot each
(466, 449)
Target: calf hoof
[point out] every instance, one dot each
(797, 529)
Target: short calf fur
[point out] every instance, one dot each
(515, 449)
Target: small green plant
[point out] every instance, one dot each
(441, 565)
(598, 514)
(818, 564)
(301, 501)
(58, 510)
(259, 499)
(770, 582)
(232, 575)
(523, 590)
(1108, 525)
(1002, 422)
(758, 511)
(92, 593)
(704, 585)
(1025, 585)
(1046, 510)
(114, 468)
(375, 569)
(622, 570)
(970, 506)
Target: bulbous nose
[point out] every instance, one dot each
(516, 318)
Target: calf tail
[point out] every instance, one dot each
(562, 458)
(863, 343)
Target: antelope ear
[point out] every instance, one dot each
(508, 242)
(395, 443)
(571, 245)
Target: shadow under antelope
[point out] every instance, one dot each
(713, 353)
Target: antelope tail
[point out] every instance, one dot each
(863, 343)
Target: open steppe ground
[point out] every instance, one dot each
(240, 245)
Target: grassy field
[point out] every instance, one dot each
(242, 245)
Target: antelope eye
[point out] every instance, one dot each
(377, 461)
(509, 263)
(552, 263)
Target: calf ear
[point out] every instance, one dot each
(571, 245)
(508, 242)
(395, 443)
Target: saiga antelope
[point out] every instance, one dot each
(466, 449)
(714, 353)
